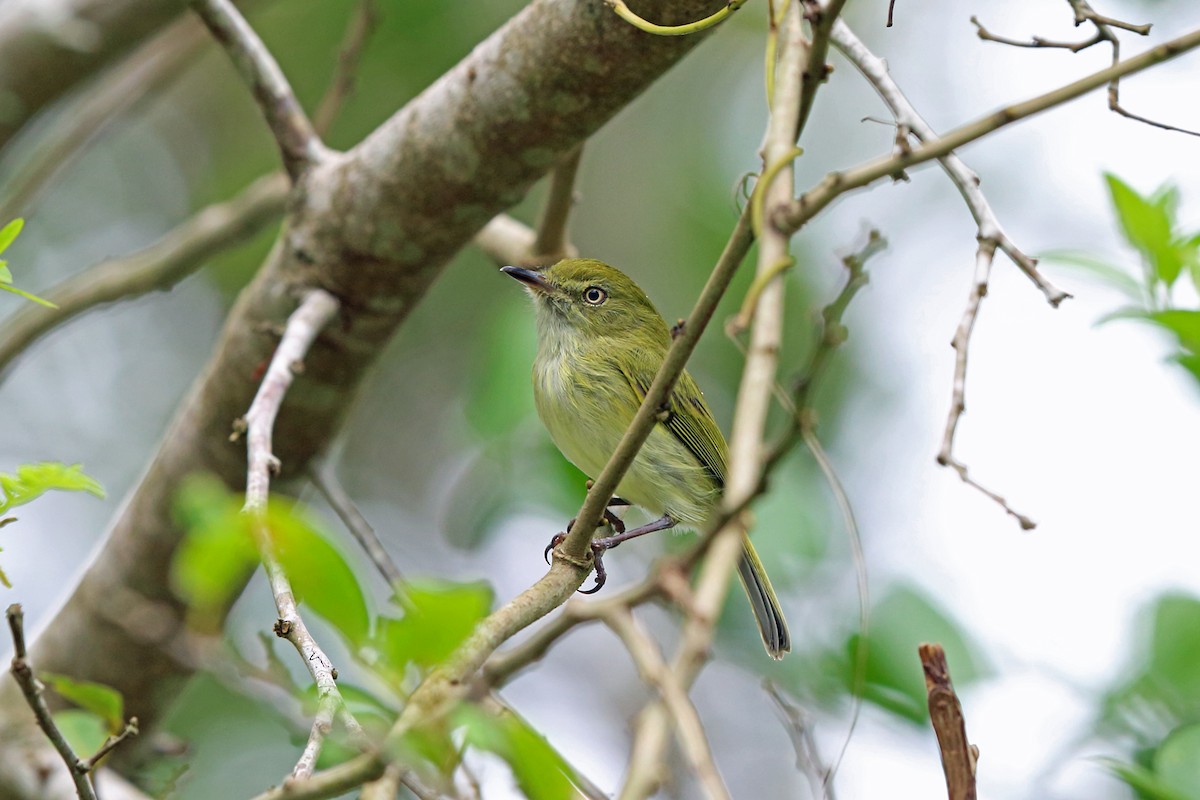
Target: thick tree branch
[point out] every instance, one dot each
(179, 253)
(294, 133)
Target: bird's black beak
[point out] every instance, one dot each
(534, 280)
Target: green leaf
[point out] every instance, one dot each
(83, 730)
(438, 617)
(903, 619)
(540, 771)
(1113, 276)
(1185, 324)
(1147, 785)
(34, 480)
(1146, 223)
(1177, 760)
(217, 552)
(320, 576)
(103, 701)
(10, 232)
(5, 274)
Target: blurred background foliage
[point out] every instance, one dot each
(444, 454)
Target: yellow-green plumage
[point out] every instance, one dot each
(600, 342)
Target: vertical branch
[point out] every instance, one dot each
(945, 714)
(354, 41)
(551, 241)
(298, 141)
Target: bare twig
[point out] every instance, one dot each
(343, 505)
(654, 671)
(552, 241)
(507, 241)
(990, 234)
(961, 344)
(808, 760)
(1103, 25)
(179, 253)
(32, 688)
(835, 184)
(113, 742)
(305, 323)
(946, 716)
(362, 25)
(298, 142)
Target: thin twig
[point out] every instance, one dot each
(552, 242)
(1103, 25)
(298, 141)
(962, 344)
(113, 742)
(836, 184)
(991, 236)
(161, 265)
(343, 505)
(304, 325)
(354, 41)
(32, 688)
(654, 671)
(946, 716)
(507, 241)
(808, 760)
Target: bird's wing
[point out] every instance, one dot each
(688, 419)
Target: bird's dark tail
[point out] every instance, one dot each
(763, 601)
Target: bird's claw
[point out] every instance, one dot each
(598, 549)
(555, 542)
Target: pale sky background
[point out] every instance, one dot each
(1083, 428)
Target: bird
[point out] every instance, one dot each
(600, 344)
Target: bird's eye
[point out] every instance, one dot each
(594, 295)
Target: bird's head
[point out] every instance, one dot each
(583, 296)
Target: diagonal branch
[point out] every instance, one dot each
(835, 184)
(298, 141)
(362, 25)
(946, 716)
(166, 262)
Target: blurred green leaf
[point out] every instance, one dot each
(1145, 783)
(5, 274)
(1146, 223)
(320, 576)
(903, 619)
(216, 554)
(83, 730)
(22, 293)
(1177, 760)
(9, 232)
(103, 701)
(541, 773)
(219, 549)
(437, 618)
(34, 480)
(1185, 324)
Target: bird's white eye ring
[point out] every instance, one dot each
(594, 295)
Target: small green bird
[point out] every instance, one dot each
(600, 343)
